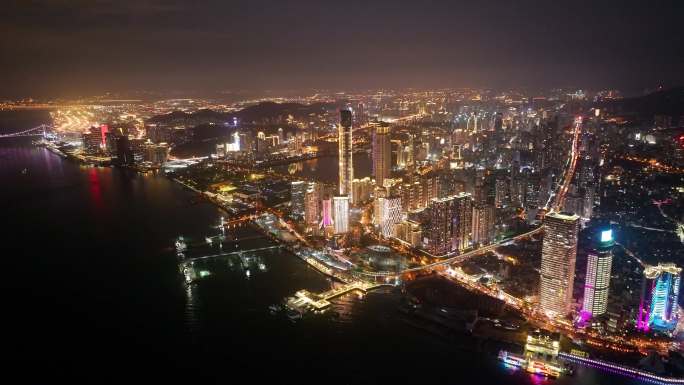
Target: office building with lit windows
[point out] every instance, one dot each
(599, 264)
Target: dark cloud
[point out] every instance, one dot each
(83, 47)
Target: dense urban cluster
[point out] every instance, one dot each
(456, 183)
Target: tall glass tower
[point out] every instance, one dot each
(599, 264)
(344, 142)
(382, 153)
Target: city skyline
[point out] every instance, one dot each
(329, 192)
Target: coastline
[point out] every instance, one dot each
(603, 365)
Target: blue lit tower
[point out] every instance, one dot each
(659, 295)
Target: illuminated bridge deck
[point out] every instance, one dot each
(238, 252)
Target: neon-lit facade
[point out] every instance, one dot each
(326, 213)
(104, 129)
(541, 353)
(659, 295)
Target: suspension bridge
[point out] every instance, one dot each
(35, 131)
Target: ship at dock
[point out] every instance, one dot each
(540, 356)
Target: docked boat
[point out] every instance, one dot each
(532, 364)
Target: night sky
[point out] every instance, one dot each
(70, 47)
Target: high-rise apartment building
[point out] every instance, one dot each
(450, 224)
(388, 214)
(483, 224)
(297, 198)
(559, 253)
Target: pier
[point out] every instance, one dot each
(304, 300)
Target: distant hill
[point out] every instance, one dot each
(668, 102)
(262, 113)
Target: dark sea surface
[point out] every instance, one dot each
(94, 295)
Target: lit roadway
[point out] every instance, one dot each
(462, 257)
(459, 258)
(531, 314)
(574, 154)
(615, 343)
(73, 120)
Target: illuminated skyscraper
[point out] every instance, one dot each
(341, 214)
(599, 263)
(311, 206)
(361, 190)
(559, 253)
(326, 213)
(388, 214)
(401, 161)
(659, 296)
(409, 150)
(382, 153)
(92, 142)
(450, 224)
(463, 222)
(483, 224)
(297, 194)
(440, 228)
(344, 142)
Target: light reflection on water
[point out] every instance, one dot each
(121, 276)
